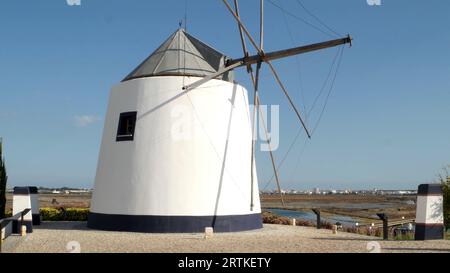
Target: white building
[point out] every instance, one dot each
(174, 160)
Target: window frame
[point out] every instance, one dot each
(122, 118)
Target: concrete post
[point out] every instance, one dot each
(334, 229)
(319, 222)
(23, 230)
(22, 201)
(430, 213)
(209, 232)
(34, 196)
(385, 219)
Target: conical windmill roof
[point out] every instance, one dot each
(182, 55)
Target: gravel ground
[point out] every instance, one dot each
(54, 237)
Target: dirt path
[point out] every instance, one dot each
(55, 236)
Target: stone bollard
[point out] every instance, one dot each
(335, 229)
(209, 232)
(23, 231)
(429, 213)
(22, 201)
(294, 222)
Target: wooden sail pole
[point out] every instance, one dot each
(290, 52)
(267, 58)
(272, 159)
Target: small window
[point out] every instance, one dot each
(127, 123)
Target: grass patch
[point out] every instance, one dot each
(404, 237)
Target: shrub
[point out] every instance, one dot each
(326, 225)
(446, 191)
(403, 237)
(379, 232)
(76, 214)
(51, 214)
(63, 214)
(270, 218)
(3, 180)
(304, 223)
(444, 179)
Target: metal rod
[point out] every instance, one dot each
(289, 98)
(258, 68)
(291, 52)
(241, 34)
(252, 41)
(261, 26)
(254, 130)
(210, 77)
(272, 159)
(21, 222)
(253, 143)
(252, 162)
(256, 105)
(252, 158)
(249, 70)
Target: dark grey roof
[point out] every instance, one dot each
(182, 55)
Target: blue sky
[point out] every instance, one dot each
(386, 124)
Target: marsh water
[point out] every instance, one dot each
(310, 216)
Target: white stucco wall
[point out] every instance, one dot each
(430, 209)
(175, 164)
(20, 203)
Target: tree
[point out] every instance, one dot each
(444, 179)
(3, 180)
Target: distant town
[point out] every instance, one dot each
(63, 190)
(315, 191)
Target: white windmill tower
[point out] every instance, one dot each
(177, 153)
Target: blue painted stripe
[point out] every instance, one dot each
(36, 219)
(173, 224)
(429, 232)
(430, 189)
(21, 191)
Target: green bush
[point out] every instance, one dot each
(444, 179)
(63, 214)
(76, 214)
(446, 191)
(3, 180)
(404, 237)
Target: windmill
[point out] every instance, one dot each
(259, 59)
(152, 179)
